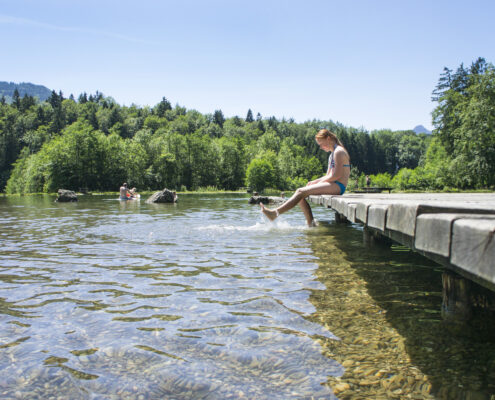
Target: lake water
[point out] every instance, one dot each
(204, 299)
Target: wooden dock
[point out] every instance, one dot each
(456, 230)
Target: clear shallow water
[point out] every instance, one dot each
(196, 300)
(204, 299)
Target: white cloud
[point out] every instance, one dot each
(7, 19)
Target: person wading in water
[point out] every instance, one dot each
(124, 192)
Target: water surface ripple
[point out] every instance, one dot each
(202, 299)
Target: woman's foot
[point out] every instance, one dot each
(312, 224)
(270, 214)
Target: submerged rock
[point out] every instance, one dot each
(258, 200)
(163, 196)
(277, 199)
(64, 195)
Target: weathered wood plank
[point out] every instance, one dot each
(316, 200)
(402, 215)
(377, 216)
(351, 212)
(362, 211)
(338, 204)
(434, 231)
(473, 247)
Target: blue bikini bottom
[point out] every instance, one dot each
(342, 187)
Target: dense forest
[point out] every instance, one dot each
(93, 143)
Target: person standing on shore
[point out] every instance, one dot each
(333, 182)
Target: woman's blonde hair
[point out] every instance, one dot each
(325, 133)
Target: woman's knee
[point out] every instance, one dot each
(302, 193)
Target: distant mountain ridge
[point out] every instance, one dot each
(421, 129)
(7, 89)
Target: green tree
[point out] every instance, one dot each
(260, 174)
(464, 123)
(83, 98)
(34, 139)
(269, 141)
(27, 102)
(232, 163)
(114, 163)
(10, 141)
(249, 116)
(410, 150)
(136, 161)
(162, 107)
(70, 111)
(203, 160)
(16, 99)
(474, 139)
(70, 161)
(218, 118)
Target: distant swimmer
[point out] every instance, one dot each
(333, 182)
(133, 193)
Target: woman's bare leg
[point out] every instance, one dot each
(298, 197)
(306, 209)
(272, 214)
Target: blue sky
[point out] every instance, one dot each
(363, 63)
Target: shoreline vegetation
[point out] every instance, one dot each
(143, 193)
(266, 192)
(95, 144)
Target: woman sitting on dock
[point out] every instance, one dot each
(334, 182)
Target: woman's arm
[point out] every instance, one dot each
(324, 178)
(337, 172)
(319, 180)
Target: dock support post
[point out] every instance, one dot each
(456, 304)
(373, 238)
(340, 218)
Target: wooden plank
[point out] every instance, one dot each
(377, 216)
(351, 212)
(362, 211)
(402, 215)
(316, 199)
(362, 207)
(338, 204)
(473, 247)
(347, 207)
(434, 231)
